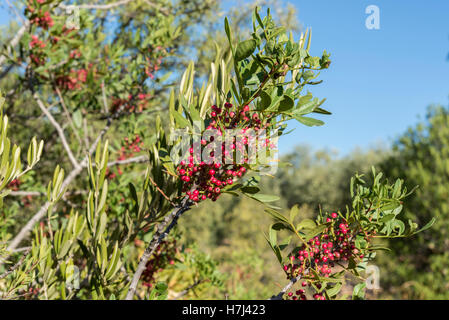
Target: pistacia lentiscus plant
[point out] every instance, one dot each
(254, 87)
(204, 147)
(320, 253)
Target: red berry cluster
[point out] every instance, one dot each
(14, 185)
(134, 103)
(300, 294)
(130, 147)
(31, 293)
(37, 54)
(335, 244)
(73, 80)
(75, 54)
(39, 17)
(153, 66)
(127, 151)
(164, 255)
(205, 180)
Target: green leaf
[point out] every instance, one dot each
(359, 291)
(180, 120)
(334, 290)
(321, 111)
(306, 224)
(228, 33)
(316, 231)
(286, 103)
(264, 197)
(294, 212)
(427, 226)
(161, 287)
(265, 100)
(276, 215)
(272, 243)
(273, 236)
(77, 118)
(387, 218)
(374, 248)
(250, 189)
(259, 20)
(245, 49)
(398, 225)
(310, 122)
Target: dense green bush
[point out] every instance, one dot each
(421, 157)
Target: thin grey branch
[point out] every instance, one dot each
(26, 193)
(14, 41)
(186, 290)
(138, 159)
(58, 128)
(17, 265)
(284, 290)
(163, 229)
(95, 6)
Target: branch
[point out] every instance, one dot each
(14, 41)
(138, 159)
(26, 193)
(22, 249)
(60, 131)
(158, 237)
(69, 117)
(17, 265)
(95, 6)
(186, 290)
(164, 11)
(113, 5)
(40, 214)
(284, 290)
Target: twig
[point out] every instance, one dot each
(111, 6)
(186, 290)
(85, 132)
(67, 114)
(17, 265)
(158, 237)
(138, 159)
(284, 290)
(21, 249)
(105, 103)
(14, 41)
(161, 192)
(58, 128)
(162, 10)
(26, 193)
(95, 6)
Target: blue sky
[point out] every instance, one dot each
(379, 81)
